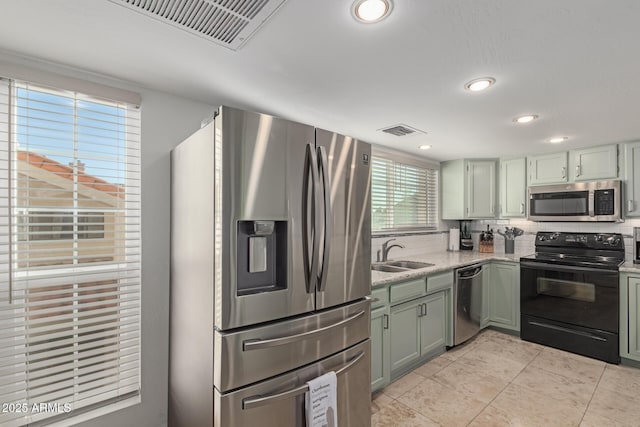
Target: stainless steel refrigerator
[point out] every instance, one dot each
(270, 272)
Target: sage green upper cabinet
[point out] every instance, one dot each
(632, 179)
(481, 189)
(548, 168)
(593, 163)
(513, 188)
(468, 189)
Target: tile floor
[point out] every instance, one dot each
(499, 380)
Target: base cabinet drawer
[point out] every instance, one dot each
(379, 297)
(407, 290)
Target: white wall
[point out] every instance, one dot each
(166, 120)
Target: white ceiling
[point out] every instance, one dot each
(573, 62)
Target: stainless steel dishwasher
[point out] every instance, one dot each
(467, 309)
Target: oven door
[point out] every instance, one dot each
(586, 297)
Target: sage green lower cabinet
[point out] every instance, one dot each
(432, 325)
(418, 328)
(405, 333)
(486, 278)
(504, 295)
(630, 316)
(380, 348)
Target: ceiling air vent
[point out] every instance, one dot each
(401, 130)
(229, 23)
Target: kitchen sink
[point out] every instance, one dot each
(411, 265)
(387, 268)
(399, 266)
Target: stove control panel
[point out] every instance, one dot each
(580, 240)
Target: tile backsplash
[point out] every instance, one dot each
(416, 244)
(526, 242)
(437, 241)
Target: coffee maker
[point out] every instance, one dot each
(466, 242)
(636, 245)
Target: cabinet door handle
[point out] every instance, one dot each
(424, 304)
(578, 170)
(630, 206)
(385, 321)
(564, 172)
(521, 208)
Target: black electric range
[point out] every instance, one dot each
(569, 293)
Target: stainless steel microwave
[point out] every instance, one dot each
(580, 201)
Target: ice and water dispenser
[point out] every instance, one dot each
(262, 256)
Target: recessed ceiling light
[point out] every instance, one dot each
(526, 119)
(482, 83)
(424, 147)
(558, 139)
(370, 11)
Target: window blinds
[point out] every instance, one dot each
(403, 196)
(69, 251)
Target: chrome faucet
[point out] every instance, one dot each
(383, 253)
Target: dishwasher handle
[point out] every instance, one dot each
(469, 273)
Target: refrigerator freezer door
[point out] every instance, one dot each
(280, 401)
(251, 355)
(345, 256)
(259, 175)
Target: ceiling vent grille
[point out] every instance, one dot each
(401, 130)
(229, 23)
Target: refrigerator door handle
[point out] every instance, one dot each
(326, 184)
(274, 342)
(258, 401)
(311, 260)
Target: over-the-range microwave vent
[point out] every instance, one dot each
(401, 130)
(229, 23)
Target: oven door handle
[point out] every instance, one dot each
(569, 268)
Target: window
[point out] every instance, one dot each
(403, 196)
(69, 252)
(36, 225)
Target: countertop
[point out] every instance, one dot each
(443, 261)
(627, 267)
